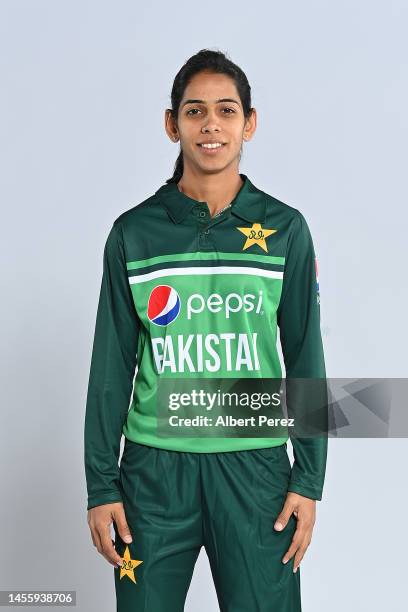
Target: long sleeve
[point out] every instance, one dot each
(111, 375)
(302, 348)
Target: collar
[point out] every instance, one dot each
(249, 203)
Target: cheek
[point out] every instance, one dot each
(234, 146)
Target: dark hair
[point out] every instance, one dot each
(210, 61)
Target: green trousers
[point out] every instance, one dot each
(176, 502)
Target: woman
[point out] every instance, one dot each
(196, 280)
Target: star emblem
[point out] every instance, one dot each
(129, 566)
(256, 235)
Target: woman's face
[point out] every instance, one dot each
(211, 109)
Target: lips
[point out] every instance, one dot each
(210, 150)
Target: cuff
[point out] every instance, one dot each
(103, 498)
(305, 490)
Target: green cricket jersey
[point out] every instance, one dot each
(185, 295)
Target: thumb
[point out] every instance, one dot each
(283, 517)
(123, 527)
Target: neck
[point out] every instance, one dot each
(218, 190)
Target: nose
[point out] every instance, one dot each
(211, 124)
(210, 128)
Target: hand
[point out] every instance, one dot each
(304, 509)
(100, 519)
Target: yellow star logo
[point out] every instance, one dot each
(129, 566)
(256, 235)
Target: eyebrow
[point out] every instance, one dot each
(192, 101)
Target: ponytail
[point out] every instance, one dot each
(178, 169)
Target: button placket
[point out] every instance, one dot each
(202, 217)
(205, 223)
(204, 240)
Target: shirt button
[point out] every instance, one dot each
(202, 213)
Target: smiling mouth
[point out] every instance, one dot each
(211, 147)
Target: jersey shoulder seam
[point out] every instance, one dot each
(129, 214)
(272, 201)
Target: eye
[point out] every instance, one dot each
(229, 110)
(191, 109)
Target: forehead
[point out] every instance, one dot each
(209, 87)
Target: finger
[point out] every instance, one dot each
(300, 536)
(120, 563)
(93, 538)
(300, 553)
(299, 540)
(304, 524)
(296, 542)
(108, 550)
(91, 527)
(116, 565)
(122, 525)
(96, 539)
(284, 516)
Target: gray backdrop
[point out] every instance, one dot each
(84, 87)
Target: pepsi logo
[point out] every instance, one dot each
(164, 305)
